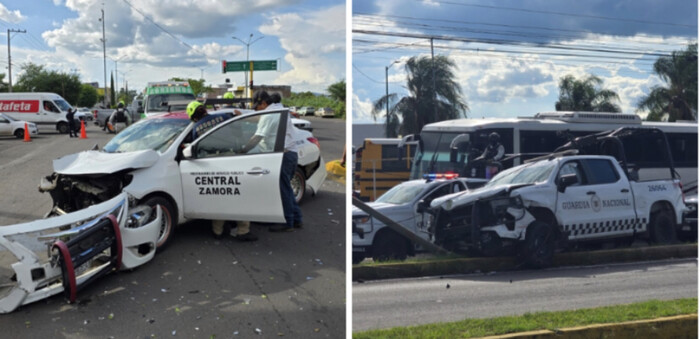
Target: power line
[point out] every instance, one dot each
(367, 76)
(563, 14)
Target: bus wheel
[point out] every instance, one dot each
(538, 248)
(662, 229)
(389, 246)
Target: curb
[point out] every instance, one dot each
(682, 326)
(475, 265)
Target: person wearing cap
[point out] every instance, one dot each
(71, 123)
(203, 121)
(265, 136)
(120, 115)
(228, 95)
(493, 153)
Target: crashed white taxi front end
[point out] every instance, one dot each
(65, 253)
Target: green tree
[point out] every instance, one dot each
(35, 78)
(337, 91)
(198, 86)
(434, 95)
(88, 96)
(112, 95)
(585, 95)
(678, 100)
(4, 87)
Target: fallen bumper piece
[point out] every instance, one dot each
(66, 253)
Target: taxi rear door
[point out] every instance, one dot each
(219, 181)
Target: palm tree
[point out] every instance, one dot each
(337, 91)
(585, 95)
(679, 100)
(432, 97)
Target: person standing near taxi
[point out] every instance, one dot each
(292, 212)
(203, 121)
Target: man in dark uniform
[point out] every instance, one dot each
(71, 123)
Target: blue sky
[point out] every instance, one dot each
(513, 75)
(153, 40)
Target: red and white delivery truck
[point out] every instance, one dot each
(39, 108)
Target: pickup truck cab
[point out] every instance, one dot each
(536, 206)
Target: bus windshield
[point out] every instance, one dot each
(434, 156)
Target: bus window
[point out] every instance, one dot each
(684, 148)
(381, 165)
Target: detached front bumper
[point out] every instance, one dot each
(65, 253)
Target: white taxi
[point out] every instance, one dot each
(11, 126)
(215, 180)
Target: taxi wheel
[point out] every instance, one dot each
(389, 246)
(298, 183)
(169, 221)
(538, 247)
(662, 229)
(19, 134)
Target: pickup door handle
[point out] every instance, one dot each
(590, 192)
(624, 190)
(258, 170)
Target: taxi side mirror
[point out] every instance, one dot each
(187, 152)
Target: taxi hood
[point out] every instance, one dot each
(97, 162)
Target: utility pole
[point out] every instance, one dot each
(9, 58)
(432, 58)
(104, 56)
(247, 59)
(386, 77)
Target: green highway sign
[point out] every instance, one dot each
(244, 66)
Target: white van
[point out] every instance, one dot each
(39, 108)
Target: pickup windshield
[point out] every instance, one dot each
(401, 194)
(523, 174)
(155, 134)
(158, 102)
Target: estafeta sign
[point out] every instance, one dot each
(19, 106)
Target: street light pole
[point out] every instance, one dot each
(104, 57)
(247, 57)
(386, 77)
(9, 58)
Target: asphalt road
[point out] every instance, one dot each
(290, 284)
(407, 302)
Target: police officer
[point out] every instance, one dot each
(71, 123)
(120, 115)
(203, 121)
(493, 153)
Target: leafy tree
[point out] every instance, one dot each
(37, 79)
(4, 87)
(585, 95)
(434, 95)
(678, 100)
(337, 91)
(88, 96)
(112, 95)
(197, 85)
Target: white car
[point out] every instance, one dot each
(325, 112)
(213, 181)
(83, 114)
(11, 126)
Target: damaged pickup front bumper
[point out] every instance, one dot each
(65, 253)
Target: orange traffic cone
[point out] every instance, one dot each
(83, 135)
(27, 138)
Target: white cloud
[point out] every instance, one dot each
(362, 110)
(11, 16)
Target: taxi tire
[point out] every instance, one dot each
(299, 176)
(389, 246)
(19, 134)
(169, 216)
(662, 230)
(538, 247)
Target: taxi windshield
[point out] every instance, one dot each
(401, 194)
(155, 134)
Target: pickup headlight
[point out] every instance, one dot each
(362, 224)
(504, 209)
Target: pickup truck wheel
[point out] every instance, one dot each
(19, 134)
(357, 258)
(389, 246)
(169, 221)
(62, 127)
(298, 183)
(662, 229)
(538, 248)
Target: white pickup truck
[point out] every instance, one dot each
(536, 206)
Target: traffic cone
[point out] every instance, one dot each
(83, 135)
(27, 138)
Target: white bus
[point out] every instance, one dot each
(543, 133)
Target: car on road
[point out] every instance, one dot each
(84, 114)
(372, 238)
(11, 126)
(156, 161)
(325, 112)
(306, 110)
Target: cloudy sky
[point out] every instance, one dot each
(153, 40)
(510, 54)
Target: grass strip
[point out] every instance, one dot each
(540, 321)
